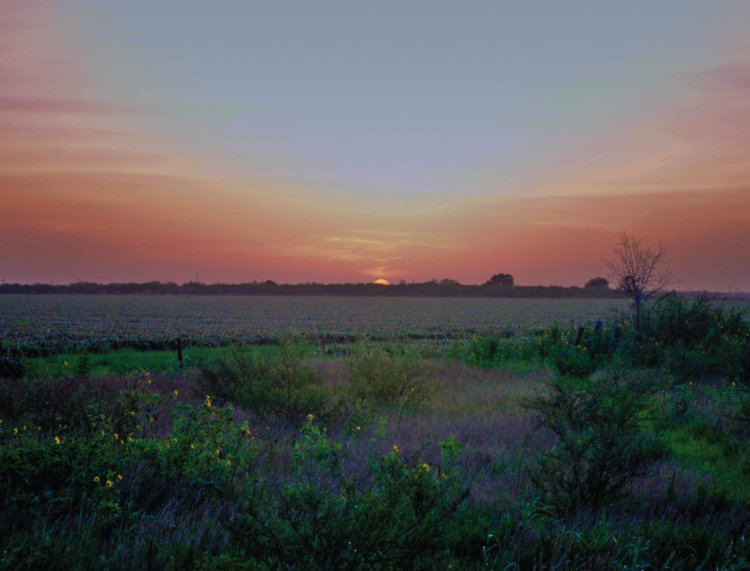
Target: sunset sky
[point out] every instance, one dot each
(347, 141)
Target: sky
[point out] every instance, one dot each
(234, 141)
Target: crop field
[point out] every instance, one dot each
(45, 324)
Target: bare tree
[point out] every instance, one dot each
(637, 272)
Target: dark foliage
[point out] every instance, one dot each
(601, 446)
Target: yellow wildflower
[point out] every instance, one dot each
(396, 449)
(176, 393)
(310, 417)
(426, 467)
(119, 476)
(96, 479)
(108, 483)
(57, 440)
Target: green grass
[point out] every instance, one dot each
(728, 468)
(132, 362)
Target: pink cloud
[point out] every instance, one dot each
(53, 105)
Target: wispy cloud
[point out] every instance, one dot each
(33, 105)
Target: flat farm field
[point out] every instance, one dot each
(64, 323)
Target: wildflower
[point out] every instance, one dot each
(57, 440)
(426, 467)
(15, 431)
(176, 393)
(396, 449)
(96, 479)
(117, 436)
(39, 428)
(357, 428)
(65, 363)
(119, 477)
(108, 483)
(310, 417)
(208, 401)
(132, 413)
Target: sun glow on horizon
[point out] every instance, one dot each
(381, 281)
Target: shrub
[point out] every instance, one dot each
(601, 446)
(382, 378)
(277, 384)
(695, 339)
(392, 516)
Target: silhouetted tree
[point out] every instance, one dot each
(636, 272)
(501, 280)
(597, 283)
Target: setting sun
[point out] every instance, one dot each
(381, 281)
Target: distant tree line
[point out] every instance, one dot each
(434, 288)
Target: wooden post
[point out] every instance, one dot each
(579, 336)
(179, 351)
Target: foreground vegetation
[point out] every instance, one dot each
(544, 447)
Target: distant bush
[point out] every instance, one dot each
(601, 446)
(694, 340)
(277, 384)
(379, 377)
(560, 348)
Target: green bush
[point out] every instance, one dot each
(695, 340)
(277, 384)
(392, 516)
(601, 446)
(379, 377)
